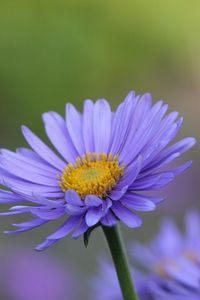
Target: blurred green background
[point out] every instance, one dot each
(57, 51)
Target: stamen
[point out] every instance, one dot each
(93, 174)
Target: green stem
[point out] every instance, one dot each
(120, 260)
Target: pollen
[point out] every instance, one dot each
(92, 174)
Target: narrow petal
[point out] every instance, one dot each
(30, 223)
(46, 244)
(65, 228)
(118, 194)
(57, 132)
(80, 230)
(182, 168)
(74, 126)
(122, 122)
(91, 200)
(73, 198)
(151, 182)
(28, 188)
(167, 155)
(102, 126)
(45, 152)
(48, 214)
(73, 210)
(93, 216)
(88, 126)
(137, 202)
(27, 173)
(37, 165)
(130, 173)
(9, 197)
(109, 219)
(126, 216)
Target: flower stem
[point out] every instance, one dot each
(115, 243)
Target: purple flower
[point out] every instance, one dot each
(106, 162)
(172, 260)
(27, 276)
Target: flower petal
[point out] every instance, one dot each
(102, 126)
(93, 216)
(80, 230)
(65, 228)
(109, 219)
(74, 126)
(45, 152)
(92, 200)
(73, 198)
(88, 126)
(137, 202)
(57, 132)
(126, 216)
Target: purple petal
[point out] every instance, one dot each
(126, 216)
(102, 126)
(93, 216)
(137, 202)
(56, 131)
(109, 219)
(46, 244)
(74, 126)
(92, 200)
(31, 223)
(117, 194)
(130, 173)
(138, 134)
(154, 181)
(182, 168)
(9, 197)
(172, 152)
(121, 123)
(80, 230)
(73, 198)
(88, 126)
(48, 214)
(75, 210)
(65, 228)
(38, 166)
(45, 152)
(28, 188)
(27, 173)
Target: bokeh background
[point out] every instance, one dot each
(52, 52)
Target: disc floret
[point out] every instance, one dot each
(92, 174)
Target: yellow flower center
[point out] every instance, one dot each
(93, 174)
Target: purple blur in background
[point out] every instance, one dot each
(26, 275)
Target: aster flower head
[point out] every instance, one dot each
(172, 260)
(106, 162)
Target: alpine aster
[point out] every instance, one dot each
(170, 264)
(106, 162)
(172, 260)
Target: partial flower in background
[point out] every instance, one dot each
(29, 276)
(170, 264)
(172, 260)
(109, 161)
(105, 284)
